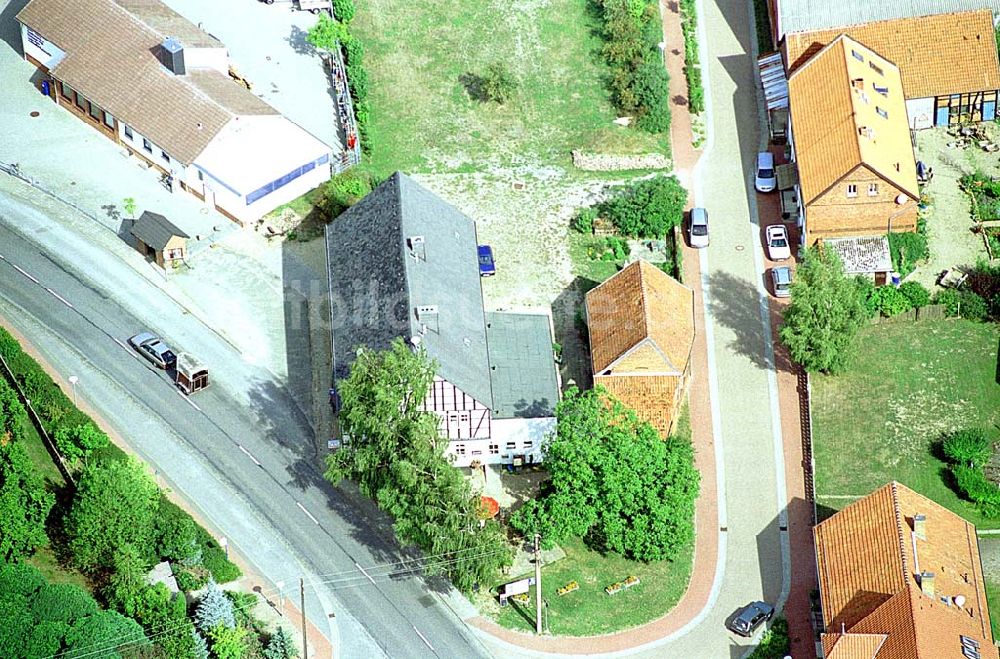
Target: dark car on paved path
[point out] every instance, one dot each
(750, 617)
(487, 266)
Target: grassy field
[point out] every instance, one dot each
(907, 385)
(420, 53)
(993, 599)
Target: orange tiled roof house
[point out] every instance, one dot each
(900, 577)
(641, 324)
(850, 139)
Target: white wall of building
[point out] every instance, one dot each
(510, 437)
(920, 112)
(44, 51)
(207, 58)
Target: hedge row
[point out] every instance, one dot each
(692, 69)
(639, 82)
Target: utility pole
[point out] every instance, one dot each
(302, 594)
(538, 587)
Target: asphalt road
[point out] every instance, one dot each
(244, 456)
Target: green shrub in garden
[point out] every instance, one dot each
(890, 301)
(973, 306)
(971, 447)
(915, 292)
(974, 485)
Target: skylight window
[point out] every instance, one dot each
(858, 56)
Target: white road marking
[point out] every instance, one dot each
(21, 270)
(373, 583)
(249, 455)
(423, 638)
(189, 401)
(118, 341)
(309, 514)
(60, 298)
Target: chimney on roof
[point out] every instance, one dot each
(415, 247)
(920, 526)
(171, 55)
(927, 584)
(427, 316)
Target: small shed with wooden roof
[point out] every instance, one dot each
(158, 239)
(641, 324)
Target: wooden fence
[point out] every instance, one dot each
(930, 312)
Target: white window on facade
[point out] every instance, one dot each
(109, 121)
(527, 443)
(147, 145)
(128, 131)
(494, 449)
(459, 449)
(163, 154)
(852, 190)
(511, 446)
(872, 189)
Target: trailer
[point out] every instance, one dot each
(314, 6)
(190, 375)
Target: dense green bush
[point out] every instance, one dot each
(915, 292)
(651, 86)
(344, 190)
(774, 643)
(866, 294)
(973, 485)
(907, 249)
(647, 208)
(583, 222)
(971, 447)
(950, 298)
(973, 306)
(984, 280)
(618, 249)
(890, 301)
(78, 442)
(344, 10)
(498, 83)
(214, 559)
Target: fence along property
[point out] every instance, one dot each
(351, 155)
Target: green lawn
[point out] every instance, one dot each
(993, 599)
(907, 385)
(418, 52)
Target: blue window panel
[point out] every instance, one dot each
(274, 185)
(942, 117)
(989, 110)
(322, 160)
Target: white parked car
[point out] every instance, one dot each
(765, 179)
(698, 228)
(778, 248)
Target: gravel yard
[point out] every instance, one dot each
(950, 240)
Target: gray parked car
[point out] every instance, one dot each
(781, 278)
(153, 349)
(698, 228)
(750, 617)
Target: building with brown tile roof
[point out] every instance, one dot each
(156, 84)
(641, 324)
(849, 137)
(939, 56)
(900, 577)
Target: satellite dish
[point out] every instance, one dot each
(901, 199)
(959, 600)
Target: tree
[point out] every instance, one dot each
(200, 645)
(127, 580)
(24, 503)
(647, 208)
(344, 10)
(20, 579)
(176, 535)
(104, 629)
(128, 203)
(63, 602)
(46, 639)
(614, 481)
(824, 315)
(13, 416)
(396, 455)
(17, 624)
(214, 609)
(79, 441)
(651, 87)
(280, 646)
(116, 504)
(498, 83)
(228, 642)
(327, 33)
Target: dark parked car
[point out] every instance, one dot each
(153, 349)
(750, 617)
(487, 267)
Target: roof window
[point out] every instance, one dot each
(875, 68)
(881, 90)
(882, 113)
(857, 55)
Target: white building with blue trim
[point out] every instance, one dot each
(159, 86)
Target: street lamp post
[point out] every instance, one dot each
(73, 380)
